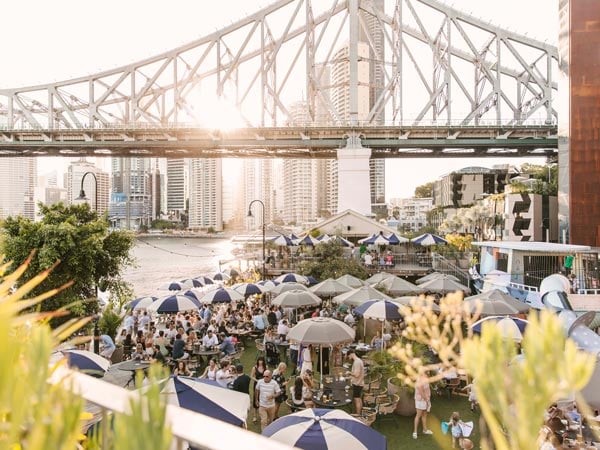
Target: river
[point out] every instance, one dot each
(160, 259)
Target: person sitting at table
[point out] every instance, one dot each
(227, 346)
(158, 356)
(107, 346)
(269, 335)
(138, 352)
(298, 393)
(210, 339)
(309, 383)
(211, 370)
(182, 369)
(179, 348)
(377, 341)
(224, 375)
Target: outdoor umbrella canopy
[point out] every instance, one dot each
(359, 295)
(398, 286)
(221, 295)
(329, 288)
(220, 276)
(379, 276)
(172, 286)
(204, 280)
(351, 281)
(308, 240)
(247, 289)
(173, 304)
(379, 309)
(433, 276)
(190, 283)
(324, 238)
(443, 285)
(395, 239)
(282, 240)
(283, 287)
(376, 239)
(209, 398)
(342, 241)
(292, 278)
(268, 285)
(296, 298)
(195, 294)
(510, 327)
(141, 302)
(311, 281)
(496, 302)
(321, 331)
(325, 429)
(428, 239)
(231, 272)
(87, 362)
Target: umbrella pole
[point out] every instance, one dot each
(382, 330)
(321, 360)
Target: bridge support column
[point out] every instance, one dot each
(354, 187)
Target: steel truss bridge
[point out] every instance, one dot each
(410, 78)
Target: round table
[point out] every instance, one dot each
(133, 366)
(208, 353)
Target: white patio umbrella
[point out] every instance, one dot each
(383, 310)
(321, 331)
(268, 285)
(296, 299)
(282, 287)
(443, 285)
(351, 281)
(359, 295)
(434, 275)
(414, 300)
(86, 361)
(292, 278)
(398, 286)
(497, 303)
(379, 276)
(247, 289)
(173, 304)
(141, 302)
(329, 288)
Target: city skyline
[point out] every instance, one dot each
(159, 27)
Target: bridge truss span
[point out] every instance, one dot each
(418, 63)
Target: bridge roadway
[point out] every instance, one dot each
(141, 139)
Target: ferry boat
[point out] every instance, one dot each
(518, 268)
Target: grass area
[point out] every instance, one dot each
(398, 429)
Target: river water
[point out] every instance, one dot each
(161, 259)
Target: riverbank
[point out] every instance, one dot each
(189, 234)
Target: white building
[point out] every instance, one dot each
(259, 184)
(18, 177)
(206, 194)
(411, 212)
(101, 184)
(177, 185)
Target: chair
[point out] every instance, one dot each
(367, 416)
(272, 353)
(386, 406)
(373, 383)
(117, 355)
(293, 408)
(452, 386)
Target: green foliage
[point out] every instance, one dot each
(161, 224)
(425, 190)
(110, 321)
(332, 264)
(90, 255)
(462, 243)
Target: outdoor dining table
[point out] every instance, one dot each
(133, 366)
(202, 351)
(283, 347)
(335, 393)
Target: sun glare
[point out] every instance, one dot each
(217, 113)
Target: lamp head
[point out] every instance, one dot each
(82, 195)
(249, 213)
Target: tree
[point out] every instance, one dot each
(332, 264)
(87, 253)
(424, 191)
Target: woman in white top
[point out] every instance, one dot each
(298, 393)
(306, 360)
(211, 371)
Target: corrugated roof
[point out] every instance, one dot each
(537, 247)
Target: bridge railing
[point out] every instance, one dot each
(423, 123)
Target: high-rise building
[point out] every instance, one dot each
(18, 177)
(177, 185)
(101, 184)
(206, 194)
(130, 202)
(411, 212)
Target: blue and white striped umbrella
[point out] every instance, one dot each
(395, 239)
(292, 278)
(520, 323)
(173, 304)
(222, 295)
(172, 286)
(195, 294)
(428, 239)
(282, 240)
(375, 239)
(268, 285)
(247, 289)
(209, 398)
(325, 429)
(87, 362)
(220, 276)
(141, 302)
(204, 280)
(190, 283)
(379, 309)
(308, 240)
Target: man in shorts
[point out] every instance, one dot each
(357, 376)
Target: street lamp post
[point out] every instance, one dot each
(264, 274)
(82, 192)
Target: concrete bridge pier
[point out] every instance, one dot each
(354, 186)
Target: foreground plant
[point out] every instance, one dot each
(513, 391)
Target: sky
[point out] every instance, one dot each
(45, 41)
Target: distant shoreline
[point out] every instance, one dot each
(186, 235)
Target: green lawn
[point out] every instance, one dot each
(398, 429)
